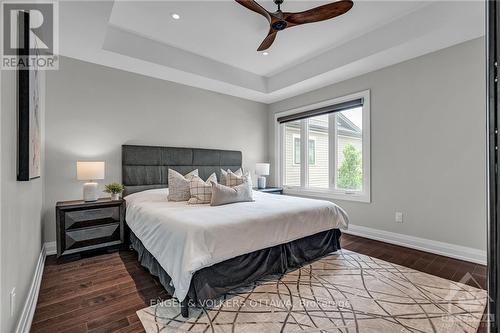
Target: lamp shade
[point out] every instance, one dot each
(86, 170)
(262, 169)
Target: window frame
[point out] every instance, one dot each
(330, 193)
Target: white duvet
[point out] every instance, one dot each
(186, 238)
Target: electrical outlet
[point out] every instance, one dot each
(399, 217)
(12, 301)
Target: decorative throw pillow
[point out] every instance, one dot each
(178, 185)
(223, 175)
(222, 195)
(201, 192)
(233, 179)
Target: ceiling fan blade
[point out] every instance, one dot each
(320, 13)
(254, 6)
(268, 41)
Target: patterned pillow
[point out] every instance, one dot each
(232, 179)
(201, 192)
(223, 175)
(178, 185)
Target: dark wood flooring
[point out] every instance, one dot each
(102, 293)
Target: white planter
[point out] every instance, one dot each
(115, 196)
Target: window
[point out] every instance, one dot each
(296, 150)
(312, 152)
(337, 149)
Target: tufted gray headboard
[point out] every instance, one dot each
(146, 167)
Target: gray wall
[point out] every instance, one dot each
(21, 205)
(427, 145)
(92, 110)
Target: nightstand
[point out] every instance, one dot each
(273, 190)
(83, 226)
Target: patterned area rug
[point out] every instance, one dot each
(343, 292)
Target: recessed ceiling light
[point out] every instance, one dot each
(176, 16)
(265, 53)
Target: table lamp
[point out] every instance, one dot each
(261, 170)
(90, 171)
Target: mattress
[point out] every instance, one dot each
(186, 238)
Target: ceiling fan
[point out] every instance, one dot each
(281, 20)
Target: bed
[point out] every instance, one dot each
(200, 252)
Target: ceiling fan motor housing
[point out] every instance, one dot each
(279, 25)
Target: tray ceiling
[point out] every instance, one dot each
(213, 44)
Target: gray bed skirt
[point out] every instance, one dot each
(212, 282)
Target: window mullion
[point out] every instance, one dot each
(282, 150)
(332, 148)
(304, 152)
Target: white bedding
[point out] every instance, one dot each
(186, 238)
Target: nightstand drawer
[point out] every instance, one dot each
(91, 217)
(80, 238)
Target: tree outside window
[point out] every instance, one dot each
(350, 173)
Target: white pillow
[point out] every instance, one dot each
(178, 185)
(233, 179)
(201, 192)
(222, 195)
(223, 175)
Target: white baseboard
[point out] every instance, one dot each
(51, 248)
(24, 323)
(427, 245)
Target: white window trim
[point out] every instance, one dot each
(363, 196)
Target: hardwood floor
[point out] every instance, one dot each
(103, 292)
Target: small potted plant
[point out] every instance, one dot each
(114, 189)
